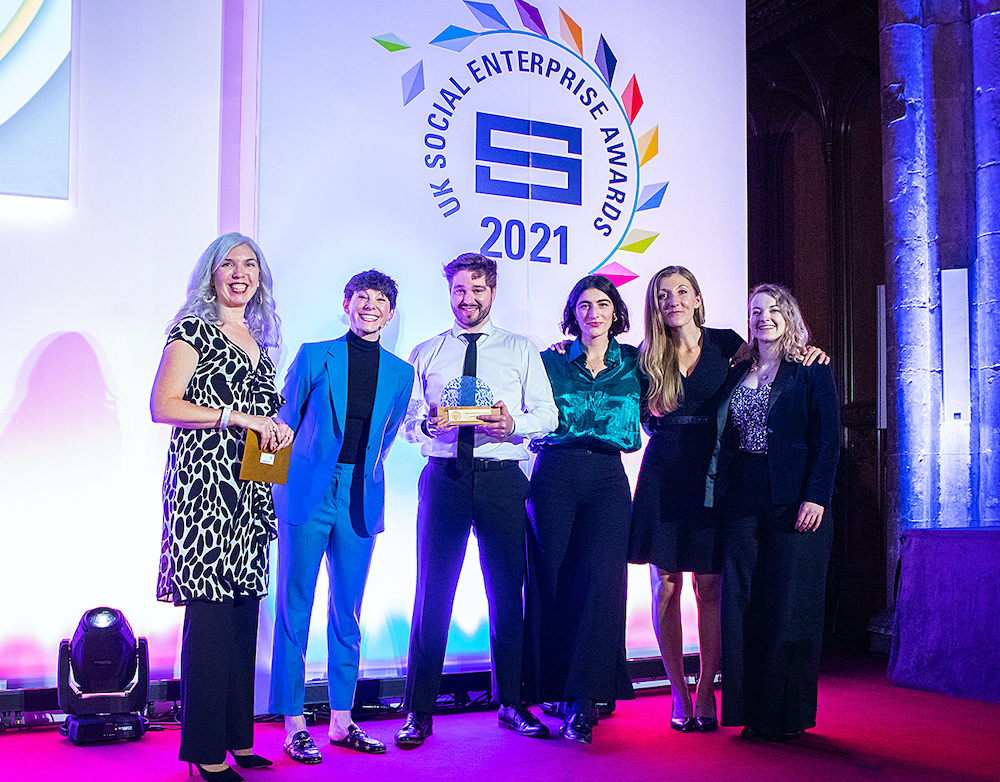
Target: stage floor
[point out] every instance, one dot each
(868, 730)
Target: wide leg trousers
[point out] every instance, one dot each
(773, 599)
(218, 650)
(579, 509)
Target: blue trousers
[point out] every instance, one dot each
(329, 533)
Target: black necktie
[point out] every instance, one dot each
(467, 434)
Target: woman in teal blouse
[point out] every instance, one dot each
(579, 507)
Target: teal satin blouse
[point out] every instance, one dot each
(595, 412)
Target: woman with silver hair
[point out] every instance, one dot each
(215, 381)
(772, 476)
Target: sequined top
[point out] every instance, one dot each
(594, 412)
(749, 412)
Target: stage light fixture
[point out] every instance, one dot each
(103, 679)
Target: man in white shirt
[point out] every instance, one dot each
(473, 484)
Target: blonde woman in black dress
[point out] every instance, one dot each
(686, 364)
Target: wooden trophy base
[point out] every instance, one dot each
(461, 416)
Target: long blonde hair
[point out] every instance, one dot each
(658, 353)
(793, 341)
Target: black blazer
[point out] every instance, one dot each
(803, 436)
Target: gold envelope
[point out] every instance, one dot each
(260, 465)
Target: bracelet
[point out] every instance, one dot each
(423, 428)
(224, 421)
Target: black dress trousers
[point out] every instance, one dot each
(218, 651)
(450, 505)
(579, 509)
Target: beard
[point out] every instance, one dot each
(470, 318)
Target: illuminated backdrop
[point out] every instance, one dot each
(571, 138)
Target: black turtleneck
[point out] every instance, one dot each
(362, 375)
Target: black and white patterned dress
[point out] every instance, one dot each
(216, 528)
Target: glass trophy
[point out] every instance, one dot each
(463, 400)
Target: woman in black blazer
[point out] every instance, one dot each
(772, 476)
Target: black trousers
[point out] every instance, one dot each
(773, 599)
(218, 651)
(450, 505)
(579, 509)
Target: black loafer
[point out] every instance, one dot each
(520, 720)
(749, 734)
(359, 741)
(558, 709)
(302, 749)
(414, 731)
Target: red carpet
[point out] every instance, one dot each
(868, 730)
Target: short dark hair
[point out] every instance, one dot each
(479, 265)
(604, 285)
(372, 280)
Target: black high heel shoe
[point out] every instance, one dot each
(229, 774)
(707, 724)
(683, 724)
(250, 761)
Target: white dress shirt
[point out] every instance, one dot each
(509, 364)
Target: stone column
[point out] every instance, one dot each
(912, 275)
(985, 278)
(948, 76)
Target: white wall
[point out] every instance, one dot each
(81, 463)
(91, 283)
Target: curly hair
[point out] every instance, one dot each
(620, 323)
(372, 280)
(658, 353)
(479, 265)
(261, 317)
(793, 341)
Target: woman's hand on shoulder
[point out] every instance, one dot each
(560, 347)
(811, 353)
(743, 353)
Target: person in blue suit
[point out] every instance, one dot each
(345, 401)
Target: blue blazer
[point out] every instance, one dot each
(316, 409)
(803, 436)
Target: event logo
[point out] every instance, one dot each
(525, 144)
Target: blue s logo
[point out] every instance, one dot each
(571, 165)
